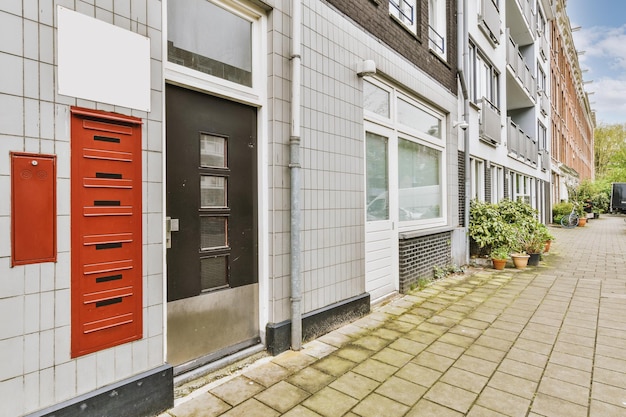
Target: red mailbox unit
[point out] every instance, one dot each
(106, 230)
(33, 208)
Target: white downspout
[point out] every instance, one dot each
(294, 167)
(463, 64)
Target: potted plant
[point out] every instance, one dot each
(545, 236)
(533, 246)
(499, 256)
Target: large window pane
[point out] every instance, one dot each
(419, 181)
(375, 99)
(377, 177)
(207, 38)
(416, 118)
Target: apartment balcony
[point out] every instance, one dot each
(521, 84)
(489, 20)
(490, 125)
(521, 20)
(520, 145)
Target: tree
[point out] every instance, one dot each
(610, 152)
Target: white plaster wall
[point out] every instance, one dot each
(37, 370)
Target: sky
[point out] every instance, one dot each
(603, 38)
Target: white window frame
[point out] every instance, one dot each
(256, 94)
(477, 185)
(437, 27)
(497, 183)
(523, 188)
(542, 136)
(395, 132)
(484, 78)
(405, 12)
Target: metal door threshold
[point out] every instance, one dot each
(183, 374)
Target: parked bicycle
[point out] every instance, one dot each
(571, 220)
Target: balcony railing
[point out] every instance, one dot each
(489, 20)
(490, 125)
(522, 72)
(521, 145)
(437, 42)
(527, 11)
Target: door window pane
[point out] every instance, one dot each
(213, 273)
(212, 151)
(377, 177)
(207, 38)
(213, 232)
(419, 181)
(212, 191)
(416, 118)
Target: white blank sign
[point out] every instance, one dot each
(102, 62)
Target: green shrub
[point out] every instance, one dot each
(559, 210)
(507, 225)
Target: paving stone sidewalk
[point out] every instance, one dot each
(545, 341)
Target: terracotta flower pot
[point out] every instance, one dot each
(520, 260)
(498, 263)
(546, 249)
(582, 221)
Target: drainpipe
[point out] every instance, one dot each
(463, 64)
(294, 167)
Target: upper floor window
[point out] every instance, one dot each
(542, 136)
(437, 26)
(541, 80)
(193, 30)
(541, 23)
(405, 11)
(483, 78)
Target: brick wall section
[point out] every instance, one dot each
(461, 165)
(373, 16)
(418, 257)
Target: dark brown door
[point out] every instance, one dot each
(212, 203)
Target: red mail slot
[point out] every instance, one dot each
(33, 208)
(106, 230)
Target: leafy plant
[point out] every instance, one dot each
(507, 224)
(500, 252)
(441, 272)
(561, 209)
(488, 226)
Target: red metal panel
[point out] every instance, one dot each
(33, 208)
(106, 230)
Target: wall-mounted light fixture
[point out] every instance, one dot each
(367, 67)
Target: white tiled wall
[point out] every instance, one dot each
(332, 152)
(37, 370)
